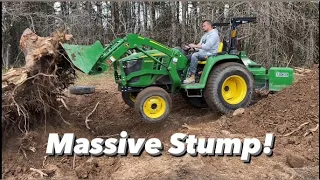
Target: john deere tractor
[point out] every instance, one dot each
(147, 71)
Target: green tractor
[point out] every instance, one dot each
(147, 72)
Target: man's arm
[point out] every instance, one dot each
(195, 45)
(212, 39)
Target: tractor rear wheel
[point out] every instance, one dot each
(129, 98)
(229, 87)
(153, 104)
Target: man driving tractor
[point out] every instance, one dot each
(207, 47)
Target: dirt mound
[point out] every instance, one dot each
(291, 114)
(283, 111)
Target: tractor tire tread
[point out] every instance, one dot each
(146, 93)
(127, 100)
(211, 90)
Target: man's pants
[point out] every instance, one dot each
(195, 57)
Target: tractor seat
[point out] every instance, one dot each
(202, 62)
(220, 52)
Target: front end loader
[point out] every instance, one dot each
(147, 71)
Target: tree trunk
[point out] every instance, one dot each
(64, 9)
(152, 14)
(142, 19)
(194, 22)
(267, 46)
(115, 17)
(99, 21)
(173, 24)
(136, 15)
(311, 49)
(145, 17)
(183, 21)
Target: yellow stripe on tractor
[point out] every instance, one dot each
(153, 55)
(159, 44)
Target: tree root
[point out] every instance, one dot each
(34, 90)
(311, 131)
(300, 127)
(87, 118)
(39, 172)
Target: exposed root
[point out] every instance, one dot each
(189, 127)
(44, 160)
(74, 161)
(63, 103)
(87, 118)
(31, 92)
(109, 136)
(300, 127)
(27, 143)
(39, 172)
(312, 130)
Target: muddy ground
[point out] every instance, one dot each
(295, 153)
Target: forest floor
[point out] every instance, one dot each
(295, 155)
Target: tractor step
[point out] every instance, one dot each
(191, 86)
(194, 93)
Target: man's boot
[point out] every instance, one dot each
(190, 79)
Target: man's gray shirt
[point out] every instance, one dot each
(210, 42)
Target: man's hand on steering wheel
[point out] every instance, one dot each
(190, 49)
(193, 46)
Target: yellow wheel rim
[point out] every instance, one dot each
(132, 97)
(154, 107)
(234, 89)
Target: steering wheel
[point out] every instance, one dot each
(188, 49)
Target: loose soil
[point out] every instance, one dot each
(295, 153)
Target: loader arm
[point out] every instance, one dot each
(95, 59)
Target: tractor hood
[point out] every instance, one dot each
(140, 55)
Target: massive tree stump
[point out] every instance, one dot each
(32, 91)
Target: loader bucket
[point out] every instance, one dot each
(84, 57)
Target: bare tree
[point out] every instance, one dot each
(285, 35)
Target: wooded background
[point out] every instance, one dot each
(287, 33)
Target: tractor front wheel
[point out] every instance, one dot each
(153, 104)
(229, 87)
(129, 98)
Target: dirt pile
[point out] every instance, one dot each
(295, 151)
(282, 112)
(291, 114)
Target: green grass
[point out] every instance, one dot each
(85, 78)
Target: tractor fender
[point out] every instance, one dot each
(213, 62)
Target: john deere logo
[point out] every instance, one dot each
(279, 74)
